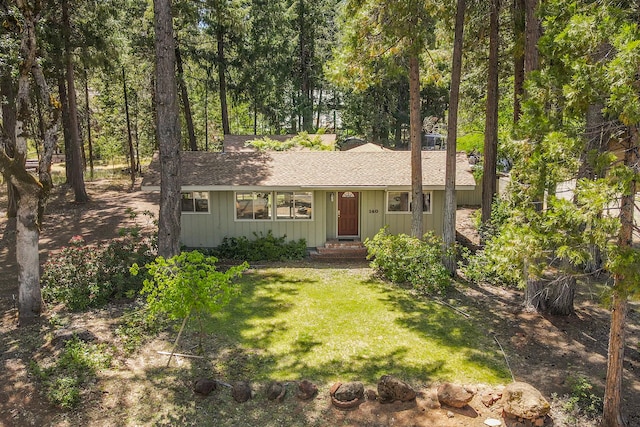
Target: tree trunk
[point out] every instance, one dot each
(491, 124)
(188, 117)
(32, 192)
(8, 99)
(612, 414)
(319, 109)
(154, 111)
(519, 28)
(206, 114)
(168, 127)
(255, 116)
(449, 231)
(132, 157)
(222, 80)
(68, 161)
(417, 229)
(552, 296)
(596, 139)
(305, 72)
(86, 101)
(532, 34)
(76, 145)
(27, 257)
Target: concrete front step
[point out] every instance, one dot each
(343, 244)
(336, 250)
(314, 255)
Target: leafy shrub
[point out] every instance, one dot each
(302, 139)
(501, 211)
(496, 264)
(263, 248)
(82, 276)
(582, 399)
(72, 372)
(404, 259)
(188, 283)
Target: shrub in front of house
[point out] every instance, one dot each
(263, 248)
(404, 259)
(82, 276)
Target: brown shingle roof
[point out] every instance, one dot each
(330, 169)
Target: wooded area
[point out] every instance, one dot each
(549, 89)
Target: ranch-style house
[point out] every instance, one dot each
(316, 195)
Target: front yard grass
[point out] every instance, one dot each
(329, 324)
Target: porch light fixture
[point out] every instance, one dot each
(331, 197)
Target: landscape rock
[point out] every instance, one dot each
(454, 395)
(204, 386)
(371, 394)
(334, 388)
(522, 400)
(241, 391)
(276, 391)
(347, 395)
(306, 390)
(349, 391)
(391, 389)
(490, 397)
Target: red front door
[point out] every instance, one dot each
(348, 213)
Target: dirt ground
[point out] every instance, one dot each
(544, 351)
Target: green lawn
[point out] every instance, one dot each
(331, 324)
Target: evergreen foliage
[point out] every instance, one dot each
(302, 139)
(407, 260)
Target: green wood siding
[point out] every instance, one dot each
(401, 222)
(206, 230)
(331, 214)
(372, 216)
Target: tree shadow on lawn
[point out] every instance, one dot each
(450, 329)
(545, 350)
(237, 353)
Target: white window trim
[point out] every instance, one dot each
(386, 204)
(194, 212)
(235, 210)
(275, 217)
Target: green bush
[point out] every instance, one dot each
(302, 139)
(72, 372)
(582, 399)
(404, 259)
(263, 248)
(82, 276)
(188, 283)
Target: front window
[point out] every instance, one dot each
(195, 201)
(400, 202)
(253, 205)
(294, 205)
